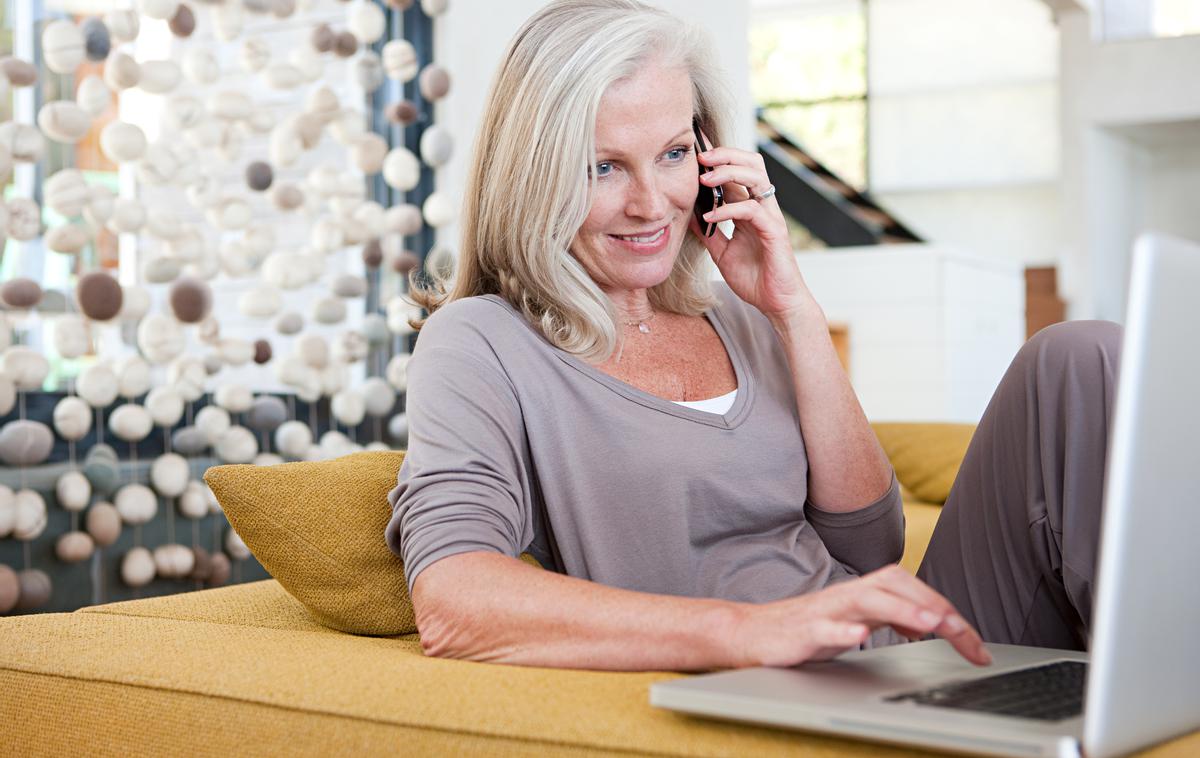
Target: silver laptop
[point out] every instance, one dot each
(1140, 683)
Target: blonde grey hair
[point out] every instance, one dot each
(528, 191)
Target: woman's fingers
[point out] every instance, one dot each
(771, 231)
(903, 583)
(824, 624)
(877, 606)
(751, 212)
(742, 173)
(951, 627)
(719, 156)
(964, 638)
(873, 600)
(826, 632)
(830, 638)
(743, 177)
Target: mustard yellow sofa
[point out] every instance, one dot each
(248, 670)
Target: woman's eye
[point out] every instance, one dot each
(603, 169)
(677, 153)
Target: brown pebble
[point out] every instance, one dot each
(404, 113)
(400, 5)
(220, 569)
(183, 23)
(190, 299)
(10, 588)
(35, 589)
(203, 565)
(21, 293)
(405, 262)
(434, 82)
(322, 38)
(345, 44)
(262, 351)
(20, 72)
(372, 253)
(99, 295)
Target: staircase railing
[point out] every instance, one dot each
(831, 209)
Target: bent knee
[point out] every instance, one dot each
(1068, 334)
(1074, 340)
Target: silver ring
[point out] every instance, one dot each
(764, 194)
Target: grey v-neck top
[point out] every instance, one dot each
(517, 446)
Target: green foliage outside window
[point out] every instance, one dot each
(808, 72)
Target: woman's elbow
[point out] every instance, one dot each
(435, 624)
(436, 641)
(448, 614)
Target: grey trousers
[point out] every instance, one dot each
(1015, 546)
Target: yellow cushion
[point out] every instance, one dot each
(926, 456)
(317, 527)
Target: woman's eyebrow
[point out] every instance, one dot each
(618, 154)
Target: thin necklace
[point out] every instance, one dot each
(641, 325)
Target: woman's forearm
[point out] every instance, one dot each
(847, 467)
(526, 616)
(489, 607)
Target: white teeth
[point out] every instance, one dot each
(645, 240)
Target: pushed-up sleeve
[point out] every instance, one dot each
(463, 486)
(866, 539)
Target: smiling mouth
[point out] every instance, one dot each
(642, 239)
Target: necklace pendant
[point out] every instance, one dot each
(643, 328)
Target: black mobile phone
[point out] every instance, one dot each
(707, 198)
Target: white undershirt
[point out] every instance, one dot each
(718, 405)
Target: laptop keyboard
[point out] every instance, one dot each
(1050, 693)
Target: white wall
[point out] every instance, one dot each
(1118, 19)
(1140, 178)
(988, 135)
(1171, 186)
(964, 132)
(472, 35)
(935, 45)
(1130, 116)
(932, 328)
(1020, 224)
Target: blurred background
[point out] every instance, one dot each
(957, 173)
(210, 209)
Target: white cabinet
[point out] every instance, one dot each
(931, 329)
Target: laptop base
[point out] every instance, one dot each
(848, 697)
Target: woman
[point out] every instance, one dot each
(689, 459)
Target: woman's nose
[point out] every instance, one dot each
(645, 199)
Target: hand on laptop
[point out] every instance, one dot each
(820, 625)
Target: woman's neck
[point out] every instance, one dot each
(633, 306)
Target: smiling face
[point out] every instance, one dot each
(645, 183)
